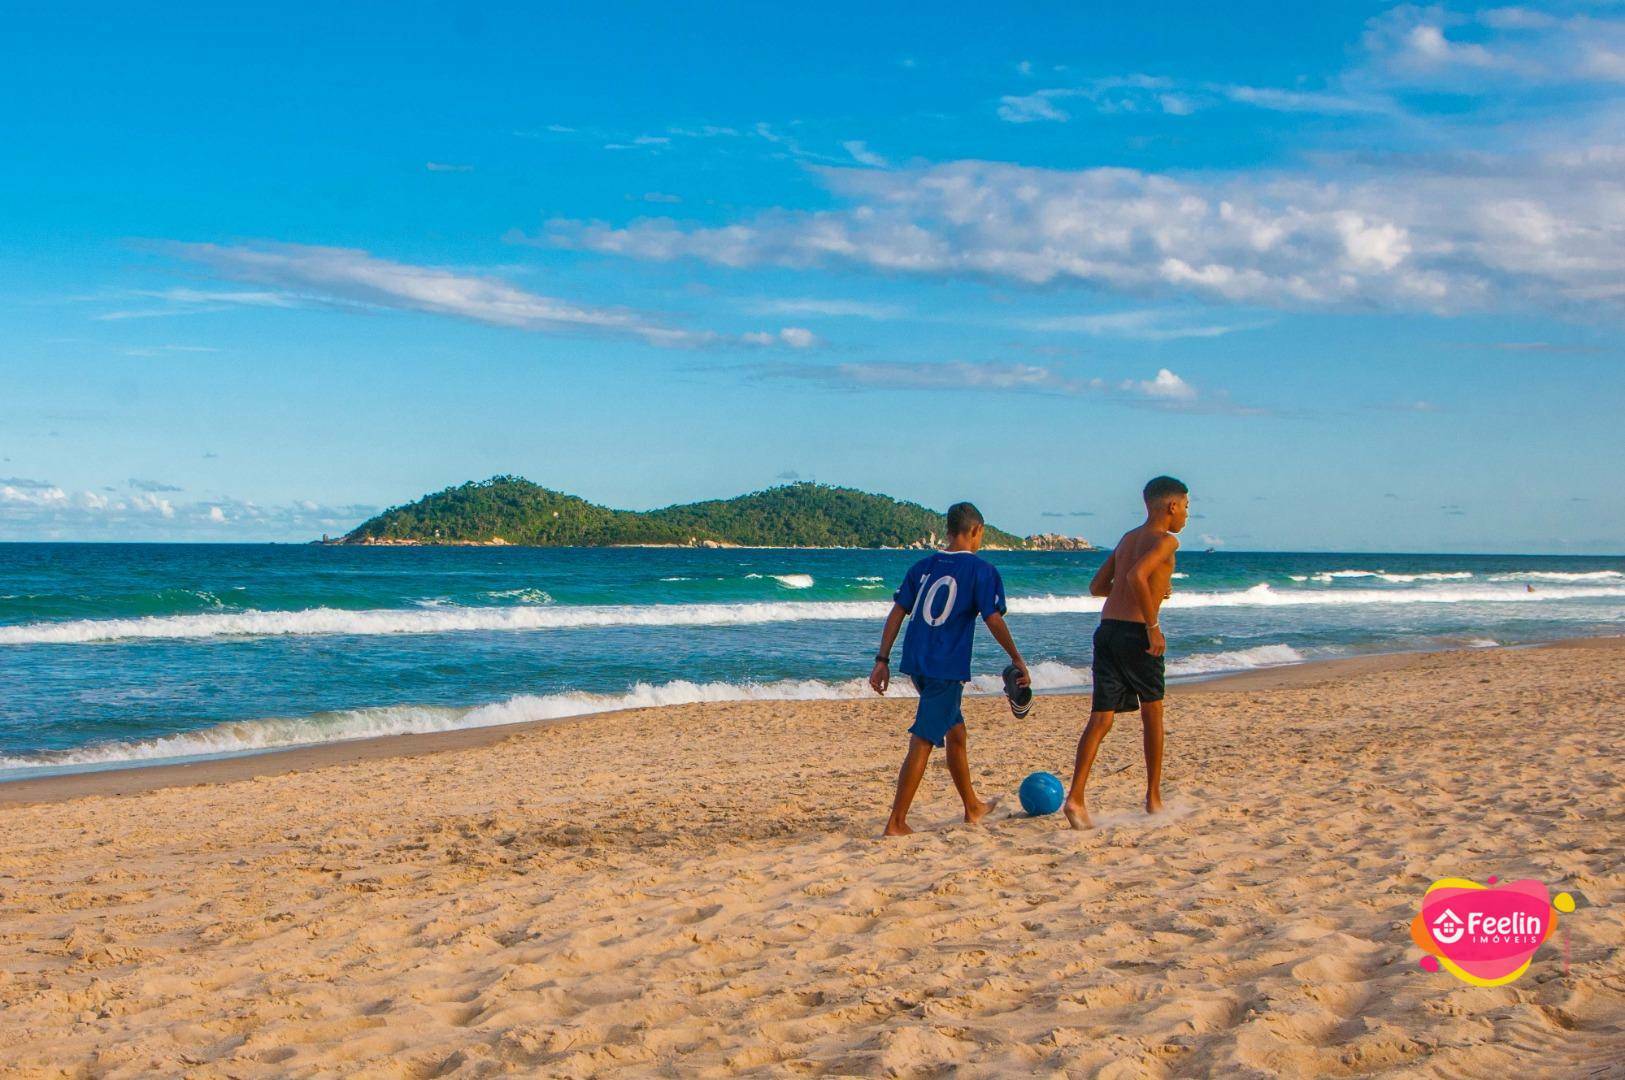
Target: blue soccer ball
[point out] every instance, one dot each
(1042, 793)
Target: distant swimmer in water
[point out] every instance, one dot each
(1528, 588)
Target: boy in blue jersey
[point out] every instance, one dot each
(944, 592)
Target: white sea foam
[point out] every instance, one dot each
(246, 736)
(1327, 577)
(794, 581)
(522, 596)
(453, 619)
(430, 620)
(1559, 576)
(1453, 575)
(1240, 660)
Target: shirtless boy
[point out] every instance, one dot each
(1128, 661)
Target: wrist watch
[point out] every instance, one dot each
(881, 658)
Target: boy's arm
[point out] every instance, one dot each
(880, 677)
(1001, 633)
(1140, 581)
(1102, 583)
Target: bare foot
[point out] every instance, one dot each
(982, 810)
(1077, 816)
(899, 828)
(1153, 802)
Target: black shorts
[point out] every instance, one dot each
(1126, 676)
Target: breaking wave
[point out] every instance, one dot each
(247, 736)
(454, 619)
(794, 581)
(1327, 577)
(1559, 576)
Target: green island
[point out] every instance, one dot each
(510, 510)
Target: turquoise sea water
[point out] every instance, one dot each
(134, 654)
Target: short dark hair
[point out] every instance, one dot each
(1162, 487)
(962, 518)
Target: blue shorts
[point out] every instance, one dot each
(939, 708)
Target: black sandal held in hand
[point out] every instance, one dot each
(1021, 697)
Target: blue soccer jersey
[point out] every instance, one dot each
(944, 593)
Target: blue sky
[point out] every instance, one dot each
(1355, 272)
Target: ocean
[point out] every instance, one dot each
(135, 654)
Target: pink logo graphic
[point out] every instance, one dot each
(1482, 935)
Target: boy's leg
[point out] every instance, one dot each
(1151, 718)
(1077, 813)
(959, 769)
(908, 782)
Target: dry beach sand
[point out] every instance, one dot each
(699, 891)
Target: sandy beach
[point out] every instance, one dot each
(700, 891)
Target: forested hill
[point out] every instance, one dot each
(512, 510)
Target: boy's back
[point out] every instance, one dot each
(941, 596)
(945, 592)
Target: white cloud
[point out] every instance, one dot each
(1143, 325)
(705, 131)
(1406, 48)
(144, 502)
(863, 155)
(183, 301)
(345, 277)
(795, 337)
(1164, 386)
(1165, 390)
(38, 510)
(1484, 50)
(162, 350)
(348, 276)
(440, 166)
(1113, 94)
(955, 375)
(32, 495)
(1543, 230)
(855, 309)
(1027, 108)
(1153, 94)
(1303, 101)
